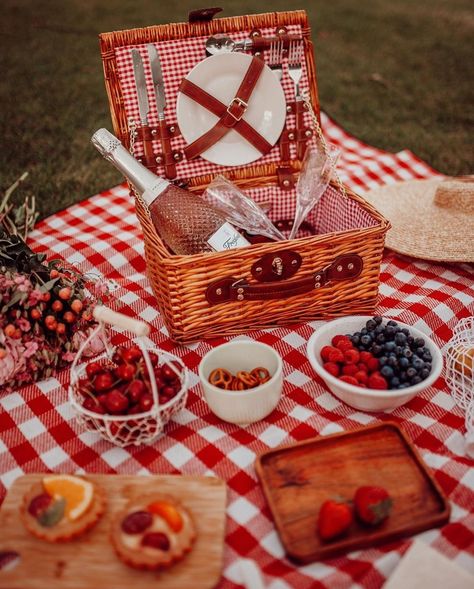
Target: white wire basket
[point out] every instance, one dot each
(140, 428)
(460, 374)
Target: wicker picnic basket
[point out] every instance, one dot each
(316, 276)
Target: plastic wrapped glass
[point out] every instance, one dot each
(240, 209)
(318, 168)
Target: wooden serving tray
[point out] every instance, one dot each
(90, 561)
(297, 479)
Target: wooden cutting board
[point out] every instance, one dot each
(297, 479)
(90, 561)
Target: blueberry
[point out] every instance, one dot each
(404, 385)
(402, 376)
(389, 346)
(392, 323)
(400, 339)
(410, 340)
(416, 379)
(419, 342)
(355, 339)
(411, 372)
(427, 357)
(392, 361)
(383, 360)
(364, 331)
(379, 329)
(380, 339)
(417, 363)
(378, 319)
(404, 362)
(405, 331)
(376, 350)
(407, 352)
(387, 372)
(365, 340)
(371, 325)
(389, 332)
(424, 373)
(398, 350)
(394, 382)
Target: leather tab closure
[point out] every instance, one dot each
(278, 266)
(344, 267)
(203, 14)
(286, 180)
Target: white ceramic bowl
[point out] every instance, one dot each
(242, 406)
(359, 397)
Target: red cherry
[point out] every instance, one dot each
(103, 382)
(39, 504)
(136, 390)
(133, 410)
(146, 402)
(156, 540)
(153, 358)
(92, 405)
(169, 392)
(117, 357)
(116, 402)
(132, 355)
(126, 371)
(92, 369)
(137, 522)
(168, 373)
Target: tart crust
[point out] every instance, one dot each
(128, 546)
(65, 530)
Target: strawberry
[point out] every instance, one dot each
(372, 504)
(335, 518)
(325, 351)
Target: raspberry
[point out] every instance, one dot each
(377, 381)
(349, 369)
(365, 357)
(337, 338)
(363, 367)
(351, 356)
(373, 364)
(325, 351)
(336, 356)
(332, 368)
(344, 344)
(349, 380)
(361, 377)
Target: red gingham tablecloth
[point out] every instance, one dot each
(38, 431)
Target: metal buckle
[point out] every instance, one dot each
(241, 103)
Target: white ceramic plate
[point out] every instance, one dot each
(220, 75)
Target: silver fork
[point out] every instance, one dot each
(274, 59)
(295, 53)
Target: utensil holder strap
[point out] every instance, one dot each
(344, 267)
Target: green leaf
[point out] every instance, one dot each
(17, 297)
(53, 514)
(47, 286)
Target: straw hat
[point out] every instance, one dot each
(431, 219)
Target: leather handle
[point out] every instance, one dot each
(170, 168)
(344, 267)
(300, 130)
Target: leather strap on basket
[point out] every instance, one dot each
(344, 267)
(230, 117)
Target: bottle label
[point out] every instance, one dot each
(226, 238)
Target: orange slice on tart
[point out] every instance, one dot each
(76, 492)
(168, 512)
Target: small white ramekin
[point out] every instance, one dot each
(249, 405)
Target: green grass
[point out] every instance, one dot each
(397, 74)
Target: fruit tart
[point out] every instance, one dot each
(62, 507)
(152, 532)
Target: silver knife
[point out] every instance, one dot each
(140, 82)
(157, 75)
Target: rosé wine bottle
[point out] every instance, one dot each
(185, 222)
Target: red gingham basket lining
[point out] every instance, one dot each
(177, 58)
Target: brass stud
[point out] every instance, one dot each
(350, 266)
(172, 129)
(294, 262)
(240, 297)
(339, 268)
(317, 284)
(258, 53)
(308, 133)
(281, 31)
(159, 159)
(259, 270)
(240, 290)
(218, 291)
(286, 182)
(289, 109)
(317, 277)
(291, 136)
(153, 131)
(177, 156)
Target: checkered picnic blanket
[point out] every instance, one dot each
(38, 431)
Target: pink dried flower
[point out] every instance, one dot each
(23, 324)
